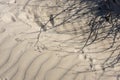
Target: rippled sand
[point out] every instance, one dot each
(54, 57)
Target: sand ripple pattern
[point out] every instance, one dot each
(54, 57)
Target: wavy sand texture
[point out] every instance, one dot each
(55, 55)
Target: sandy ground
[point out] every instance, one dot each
(54, 57)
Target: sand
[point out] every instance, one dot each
(54, 57)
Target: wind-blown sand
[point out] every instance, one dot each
(52, 58)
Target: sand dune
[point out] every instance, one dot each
(54, 57)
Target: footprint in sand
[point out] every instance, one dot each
(2, 30)
(18, 40)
